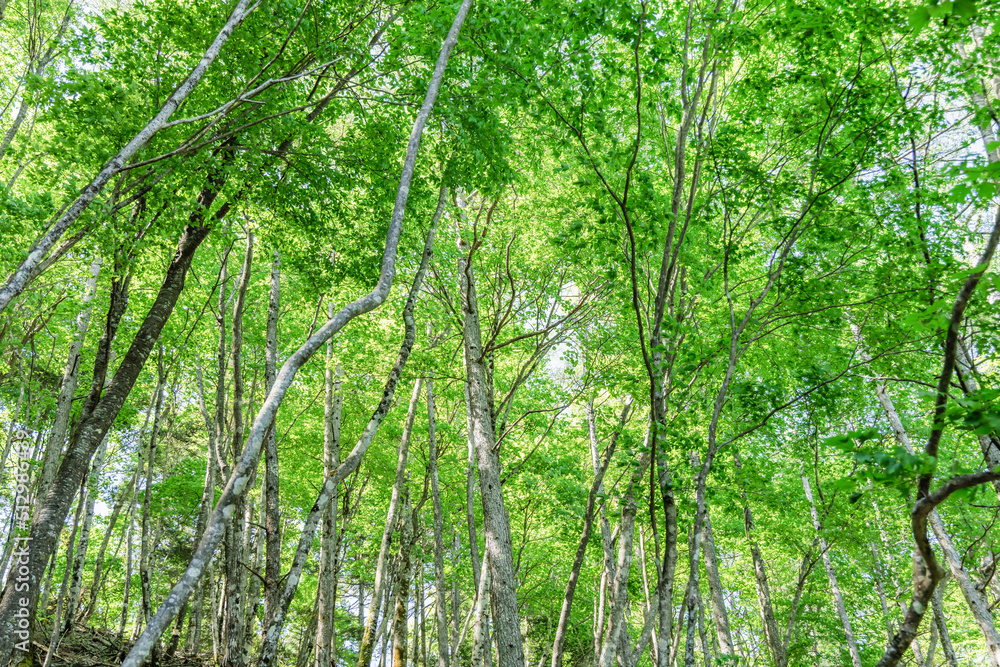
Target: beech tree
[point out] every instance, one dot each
(513, 333)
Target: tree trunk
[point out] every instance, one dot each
(124, 496)
(403, 567)
(588, 520)
(719, 613)
(440, 601)
(265, 418)
(45, 531)
(771, 635)
(64, 402)
(391, 520)
(236, 578)
(328, 543)
(479, 637)
(272, 556)
(496, 524)
(76, 580)
(144, 556)
(831, 575)
(942, 626)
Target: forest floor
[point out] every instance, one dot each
(91, 648)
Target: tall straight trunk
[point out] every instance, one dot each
(328, 542)
(144, 555)
(403, 569)
(440, 601)
(588, 520)
(391, 520)
(27, 269)
(265, 418)
(272, 555)
(977, 605)
(496, 524)
(831, 575)
(80, 559)
(92, 429)
(479, 638)
(192, 640)
(128, 571)
(942, 626)
(64, 402)
(124, 496)
(719, 613)
(236, 578)
(771, 636)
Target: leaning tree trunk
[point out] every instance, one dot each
(392, 517)
(239, 478)
(45, 531)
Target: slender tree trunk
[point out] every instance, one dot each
(496, 523)
(236, 578)
(588, 520)
(771, 635)
(719, 613)
(64, 402)
(942, 626)
(403, 569)
(479, 638)
(440, 601)
(265, 417)
(328, 544)
(391, 520)
(144, 555)
(92, 429)
(98, 580)
(831, 575)
(80, 559)
(128, 571)
(272, 557)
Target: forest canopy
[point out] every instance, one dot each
(523, 332)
